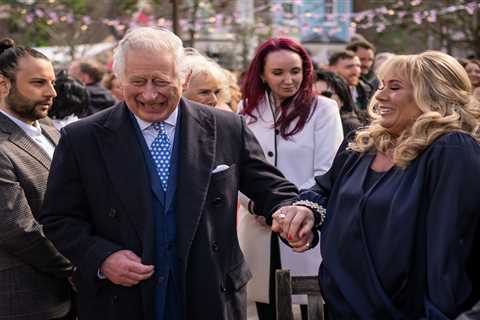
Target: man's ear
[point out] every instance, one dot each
(186, 83)
(5, 85)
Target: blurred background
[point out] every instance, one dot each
(229, 31)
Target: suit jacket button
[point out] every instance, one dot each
(217, 202)
(112, 213)
(161, 279)
(215, 246)
(114, 299)
(270, 153)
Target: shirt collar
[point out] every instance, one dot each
(31, 130)
(171, 120)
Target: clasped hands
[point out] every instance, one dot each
(294, 224)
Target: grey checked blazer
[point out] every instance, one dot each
(33, 275)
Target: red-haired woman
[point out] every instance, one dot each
(299, 133)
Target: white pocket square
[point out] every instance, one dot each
(220, 168)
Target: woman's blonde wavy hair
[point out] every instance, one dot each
(443, 93)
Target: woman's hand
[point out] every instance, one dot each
(294, 223)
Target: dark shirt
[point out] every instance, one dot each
(100, 98)
(407, 246)
(372, 79)
(350, 122)
(364, 93)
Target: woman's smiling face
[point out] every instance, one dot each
(396, 104)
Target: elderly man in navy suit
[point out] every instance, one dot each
(142, 197)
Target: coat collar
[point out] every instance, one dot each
(19, 138)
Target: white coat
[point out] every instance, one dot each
(300, 158)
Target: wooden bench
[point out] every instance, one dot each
(287, 285)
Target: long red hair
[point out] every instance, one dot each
(299, 105)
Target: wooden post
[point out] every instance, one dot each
(309, 285)
(283, 295)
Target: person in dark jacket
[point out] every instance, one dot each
(71, 100)
(142, 197)
(347, 65)
(90, 73)
(365, 51)
(332, 86)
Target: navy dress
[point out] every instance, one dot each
(403, 244)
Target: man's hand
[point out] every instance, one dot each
(125, 268)
(294, 223)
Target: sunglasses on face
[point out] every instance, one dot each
(327, 93)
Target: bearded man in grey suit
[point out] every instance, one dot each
(33, 274)
(142, 197)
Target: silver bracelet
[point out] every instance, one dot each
(319, 212)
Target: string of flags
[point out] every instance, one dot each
(210, 22)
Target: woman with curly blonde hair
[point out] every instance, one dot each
(399, 211)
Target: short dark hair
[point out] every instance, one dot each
(353, 46)
(339, 86)
(94, 70)
(10, 54)
(340, 55)
(72, 97)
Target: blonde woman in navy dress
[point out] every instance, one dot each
(401, 230)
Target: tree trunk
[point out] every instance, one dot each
(193, 21)
(175, 24)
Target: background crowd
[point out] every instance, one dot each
(298, 111)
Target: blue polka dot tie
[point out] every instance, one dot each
(160, 150)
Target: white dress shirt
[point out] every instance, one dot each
(149, 133)
(35, 133)
(60, 123)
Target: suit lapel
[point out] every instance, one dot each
(23, 141)
(51, 133)
(125, 164)
(196, 158)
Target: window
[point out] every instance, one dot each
(329, 6)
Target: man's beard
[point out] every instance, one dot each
(24, 107)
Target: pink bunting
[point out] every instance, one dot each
(380, 27)
(471, 7)
(417, 17)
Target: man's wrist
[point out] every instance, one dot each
(319, 212)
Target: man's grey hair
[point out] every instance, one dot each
(147, 38)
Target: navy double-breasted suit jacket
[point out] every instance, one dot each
(98, 201)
